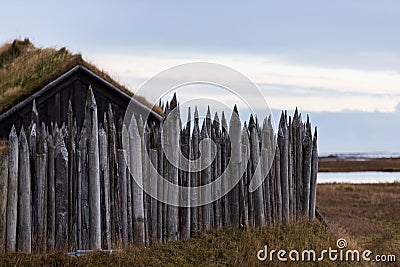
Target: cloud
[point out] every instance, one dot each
(397, 108)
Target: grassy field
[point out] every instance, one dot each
(369, 213)
(226, 247)
(365, 215)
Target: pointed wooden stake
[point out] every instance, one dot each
(94, 171)
(24, 235)
(12, 192)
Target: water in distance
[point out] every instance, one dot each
(358, 177)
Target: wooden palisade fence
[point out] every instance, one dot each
(64, 188)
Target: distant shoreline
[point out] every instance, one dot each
(358, 164)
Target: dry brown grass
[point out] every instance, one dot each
(369, 213)
(227, 247)
(25, 69)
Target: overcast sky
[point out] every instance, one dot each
(332, 59)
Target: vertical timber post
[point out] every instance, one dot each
(314, 173)
(94, 171)
(24, 234)
(3, 199)
(12, 192)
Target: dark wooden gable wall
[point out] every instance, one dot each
(52, 101)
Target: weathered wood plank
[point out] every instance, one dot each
(51, 197)
(61, 194)
(215, 134)
(83, 189)
(70, 180)
(144, 133)
(24, 214)
(258, 198)
(173, 143)
(226, 214)
(244, 182)
(3, 200)
(278, 185)
(292, 198)
(12, 192)
(160, 188)
(194, 176)
(94, 171)
(105, 185)
(165, 174)
(135, 169)
(283, 142)
(41, 189)
(32, 139)
(266, 163)
(114, 172)
(298, 134)
(235, 130)
(307, 153)
(153, 203)
(314, 173)
(124, 197)
(205, 145)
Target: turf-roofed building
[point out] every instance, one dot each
(51, 78)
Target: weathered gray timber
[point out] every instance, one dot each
(24, 235)
(298, 137)
(3, 200)
(83, 180)
(235, 130)
(67, 188)
(194, 176)
(258, 198)
(307, 153)
(216, 137)
(226, 208)
(292, 199)
(185, 211)
(160, 188)
(70, 182)
(114, 172)
(206, 176)
(41, 190)
(12, 191)
(135, 168)
(153, 202)
(278, 185)
(94, 172)
(51, 195)
(61, 193)
(266, 162)
(314, 173)
(105, 186)
(144, 132)
(124, 196)
(244, 182)
(31, 138)
(173, 144)
(283, 143)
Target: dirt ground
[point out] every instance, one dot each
(369, 213)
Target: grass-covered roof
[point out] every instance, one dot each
(25, 69)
